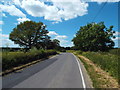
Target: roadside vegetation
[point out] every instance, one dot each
(105, 60)
(94, 45)
(34, 42)
(14, 59)
(101, 66)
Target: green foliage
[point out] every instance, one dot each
(115, 51)
(30, 34)
(13, 59)
(79, 52)
(62, 50)
(53, 44)
(94, 37)
(107, 61)
(56, 42)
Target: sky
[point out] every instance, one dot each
(62, 17)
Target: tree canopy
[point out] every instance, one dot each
(53, 44)
(94, 37)
(31, 34)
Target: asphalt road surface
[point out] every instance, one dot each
(61, 71)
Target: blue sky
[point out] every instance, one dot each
(63, 19)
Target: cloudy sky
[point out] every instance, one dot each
(62, 17)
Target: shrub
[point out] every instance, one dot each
(13, 59)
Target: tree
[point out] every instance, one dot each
(56, 42)
(44, 43)
(29, 34)
(53, 44)
(94, 37)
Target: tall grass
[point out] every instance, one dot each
(106, 60)
(115, 51)
(13, 59)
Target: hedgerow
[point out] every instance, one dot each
(14, 59)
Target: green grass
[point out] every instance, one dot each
(106, 60)
(115, 51)
(14, 59)
(92, 73)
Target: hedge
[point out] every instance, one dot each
(14, 59)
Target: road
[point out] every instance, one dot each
(61, 71)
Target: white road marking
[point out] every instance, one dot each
(83, 81)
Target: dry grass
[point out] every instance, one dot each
(100, 78)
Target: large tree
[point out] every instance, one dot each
(94, 37)
(29, 34)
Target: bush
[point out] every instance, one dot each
(13, 59)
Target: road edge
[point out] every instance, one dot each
(21, 67)
(86, 77)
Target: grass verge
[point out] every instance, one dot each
(99, 76)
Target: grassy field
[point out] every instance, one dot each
(14, 59)
(104, 69)
(108, 61)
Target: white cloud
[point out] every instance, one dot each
(116, 34)
(4, 41)
(0, 29)
(56, 12)
(62, 39)
(55, 22)
(52, 33)
(12, 10)
(22, 19)
(4, 35)
(8, 43)
(67, 44)
(1, 22)
(59, 37)
(101, 1)
(3, 15)
(74, 35)
(117, 38)
(17, 2)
